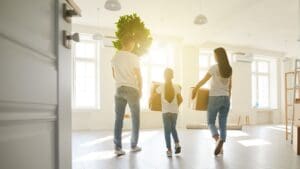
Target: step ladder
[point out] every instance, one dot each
(289, 89)
(296, 88)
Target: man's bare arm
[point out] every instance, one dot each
(139, 79)
(113, 72)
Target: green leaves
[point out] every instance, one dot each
(132, 25)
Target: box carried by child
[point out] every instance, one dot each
(155, 99)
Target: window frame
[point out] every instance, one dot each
(205, 68)
(96, 61)
(257, 74)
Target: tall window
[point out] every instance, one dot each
(206, 60)
(153, 64)
(261, 84)
(86, 74)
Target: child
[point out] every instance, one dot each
(127, 75)
(219, 96)
(171, 100)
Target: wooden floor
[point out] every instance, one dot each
(256, 147)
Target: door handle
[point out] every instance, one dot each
(68, 37)
(70, 10)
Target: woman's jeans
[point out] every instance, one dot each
(169, 120)
(221, 105)
(123, 96)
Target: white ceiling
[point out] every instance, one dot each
(263, 24)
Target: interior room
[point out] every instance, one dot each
(261, 39)
(60, 106)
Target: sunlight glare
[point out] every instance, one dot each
(101, 155)
(280, 128)
(233, 133)
(144, 136)
(254, 142)
(101, 140)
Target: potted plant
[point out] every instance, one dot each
(132, 25)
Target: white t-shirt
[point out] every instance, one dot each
(124, 64)
(219, 86)
(166, 106)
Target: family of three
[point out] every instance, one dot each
(127, 75)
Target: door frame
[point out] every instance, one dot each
(64, 120)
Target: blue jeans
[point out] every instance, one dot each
(169, 120)
(123, 96)
(221, 105)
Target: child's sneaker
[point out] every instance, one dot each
(119, 152)
(177, 148)
(169, 153)
(136, 149)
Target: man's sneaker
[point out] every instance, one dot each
(177, 149)
(169, 153)
(219, 146)
(119, 152)
(136, 149)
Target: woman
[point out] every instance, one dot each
(219, 96)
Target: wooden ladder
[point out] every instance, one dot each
(295, 97)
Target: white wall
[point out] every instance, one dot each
(186, 73)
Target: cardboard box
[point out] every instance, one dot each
(296, 139)
(155, 99)
(297, 115)
(200, 102)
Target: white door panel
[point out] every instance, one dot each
(30, 22)
(26, 75)
(28, 145)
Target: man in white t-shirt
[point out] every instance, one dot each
(127, 75)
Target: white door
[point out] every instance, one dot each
(35, 106)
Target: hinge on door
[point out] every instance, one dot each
(69, 11)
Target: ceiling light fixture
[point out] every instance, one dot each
(98, 36)
(112, 5)
(200, 19)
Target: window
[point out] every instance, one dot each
(86, 74)
(153, 64)
(206, 60)
(260, 83)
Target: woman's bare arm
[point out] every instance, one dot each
(200, 83)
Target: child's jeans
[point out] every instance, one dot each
(169, 120)
(127, 95)
(218, 105)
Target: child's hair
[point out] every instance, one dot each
(127, 39)
(168, 70)
(223, 63)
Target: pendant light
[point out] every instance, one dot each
(112, 5)
(200, 19)
(98, 36)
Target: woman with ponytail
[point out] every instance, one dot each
(219, 96)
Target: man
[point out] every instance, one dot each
(127, 75)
